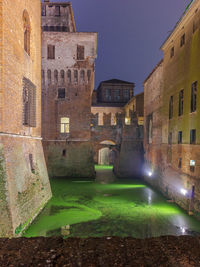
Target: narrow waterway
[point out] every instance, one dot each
(109, 207)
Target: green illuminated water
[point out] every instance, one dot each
(110, 208)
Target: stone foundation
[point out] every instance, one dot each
(170, 182)
(24, 183)
(69, 159)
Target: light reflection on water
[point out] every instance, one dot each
(122, 208)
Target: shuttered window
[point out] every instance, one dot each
(29, 103)
(50, 52)
(80, 52)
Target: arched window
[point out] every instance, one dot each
(89, 75)
(75, 76)
(49, 76)
(69, 76)
(55, 76)
(62, 76)
(27, 32)
(82, 76)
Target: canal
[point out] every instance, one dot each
(109, 207)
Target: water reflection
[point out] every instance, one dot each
(114, 208)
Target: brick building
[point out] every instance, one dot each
(67, 84)
(115, 131)
(172, 136)
(24, 184)
(107, 116)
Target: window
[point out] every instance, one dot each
(26, 32)
(76, 76)
(43, 10)
(126, 94)
(172, 52)
(49, 76)
(117, 94)
(127, 121)
(193, 97)
(62, 76)
(55, 76)
(180, 108)
(108, 94)
(89, 75)
(69, 76)
(82, 76)
(64, 125)
(80, 52)
(50, 52)
(192, 165)
(180, 137)
(179, 163)
(170, 138)
(61, 92)
(29, 103)
(182, 41)
(57, 11)
(171, 107)
(192, 136)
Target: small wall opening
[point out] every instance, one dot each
(64, 153)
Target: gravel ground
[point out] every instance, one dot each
(107, 251)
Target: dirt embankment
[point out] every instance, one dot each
(170, 251)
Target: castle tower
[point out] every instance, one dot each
(24, 183)
(67, 84)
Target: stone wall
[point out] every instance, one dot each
(69, 159)
(76, 77)
(24, 186)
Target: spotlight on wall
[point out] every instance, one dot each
(183, 230)
(150, 173)
(183, 191)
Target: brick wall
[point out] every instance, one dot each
(24, 190)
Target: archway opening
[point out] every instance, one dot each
(106, 155)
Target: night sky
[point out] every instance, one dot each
(130, 33)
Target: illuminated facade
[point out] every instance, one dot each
(67, 83)
(174, 149)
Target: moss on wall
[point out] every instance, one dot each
(5, 220)
(77, 162)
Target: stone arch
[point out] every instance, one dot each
(55, 76)
(69, 76)
(75, 76)
(105, 152)
(27, 31)
(49, 76)
(82, 76)
(62, 76)
(88, 75)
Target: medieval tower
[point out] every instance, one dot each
(67, 84)
(24, 183)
